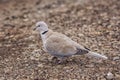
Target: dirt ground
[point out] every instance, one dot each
(92, 23)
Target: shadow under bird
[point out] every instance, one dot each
(61, 46)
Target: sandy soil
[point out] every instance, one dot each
(92, 23)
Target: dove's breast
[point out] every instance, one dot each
(59, 46)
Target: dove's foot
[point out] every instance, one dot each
(62, 60)
(54, 58)
(59, 60)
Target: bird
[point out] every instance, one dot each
(60, 45)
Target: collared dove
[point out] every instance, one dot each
(61, 46)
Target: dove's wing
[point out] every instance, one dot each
(60, 45)
(80, 49)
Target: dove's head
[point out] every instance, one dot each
(41, 26)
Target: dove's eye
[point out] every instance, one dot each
(38, 25)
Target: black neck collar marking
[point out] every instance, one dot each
(45, 32)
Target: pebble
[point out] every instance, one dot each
(80, 35)
(117, 76)
(2, 78)
(40, 65)
(75, 79)
(90, 66)
(55, 79)
(25, 20)
(116, 58)
(109, 76)
(36, 53)
(32, 58)
(103, 79)
(0, 44)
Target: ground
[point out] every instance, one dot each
(92, 23)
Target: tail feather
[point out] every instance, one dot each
(94, 54)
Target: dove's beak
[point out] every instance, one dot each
(34, 28)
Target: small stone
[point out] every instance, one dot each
(117, 76)
(75, 79)
(80, 35)
(36, 53)
(40, 65)
(103, 79)
(2, 78)
(7, 70)
(109, 76)
(66, 68)
(90, 65)
(90, 7)
(31, 37)
(116, 58)
(25, 19)
(32, 58)
(55, 79)
(14, 17)
(0, 44)
(32, 45)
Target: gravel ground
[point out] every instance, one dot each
(92, 23)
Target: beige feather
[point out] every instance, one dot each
(59, 45)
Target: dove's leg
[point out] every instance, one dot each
(62, 59)
(54, 59)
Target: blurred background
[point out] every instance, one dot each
(92, 23)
